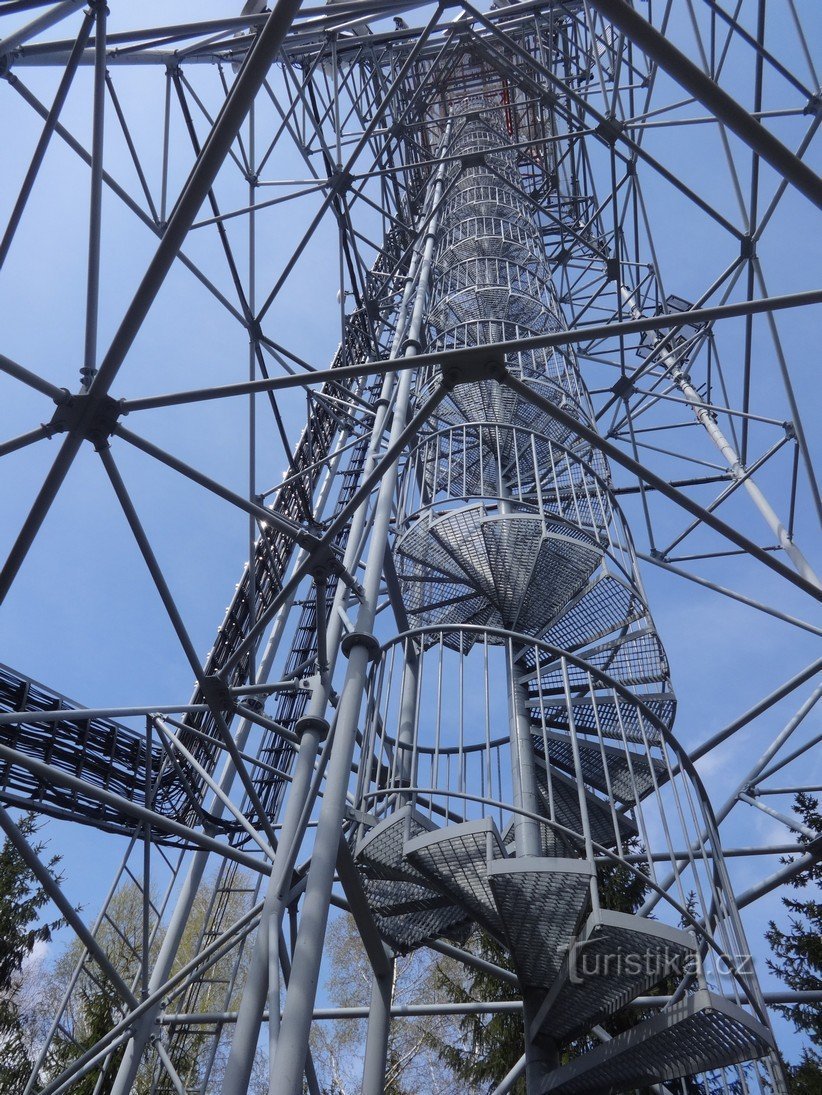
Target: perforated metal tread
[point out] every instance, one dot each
(702, 1032)
(406, 931)
(612, 718)
(540, 902)
(626, 782)
(380, 852)
(390, 897)
(616, 958)
(561, 804)
(407, 910)
(472, 549)
(455, 859)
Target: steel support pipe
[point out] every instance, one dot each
(19, 37)
(757, 710)
(64, 906)
(289, 1060)
(379, 1028)
(194, 193)
(262, 972)
(630, 464)
(593, 332)
(707, 418)
(726, 109)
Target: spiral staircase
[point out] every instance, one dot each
(508, 527)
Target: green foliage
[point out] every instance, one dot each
(489, 1046)
(95, 1006)
(21, 900)
(413, 1066)
(620, 888)
(806, 1077)
(797, 953)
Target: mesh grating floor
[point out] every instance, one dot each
(700, 1033)
(602, 818)
(629, 780)
(619, 957)
(473, 551)
(541, 902)
(406, 931)
(610, 717)
(455, 859)
(379, 854)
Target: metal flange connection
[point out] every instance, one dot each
(312, 722)
(361, 638)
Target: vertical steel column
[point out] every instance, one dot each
(379, 1029)
(407, 731)
(263, 980)
(188, 894)
(96, 202)
(361, 646)
(523, 772)
(266, 955)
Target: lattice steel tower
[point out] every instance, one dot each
(438, 699)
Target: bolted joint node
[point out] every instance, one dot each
(364, 639)
(253, 703)
(340, 180)
(747, 248)
(324, 560)
(814, 104)
(474, 370)
(93, 417)
(312, 722)
(216, 692)
(623, 386)
(609, 131)
(790, 430)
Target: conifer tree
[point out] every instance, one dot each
(797, 953)
(22, 900)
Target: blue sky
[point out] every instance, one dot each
(83, 615)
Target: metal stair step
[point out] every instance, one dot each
(391, 897)
(379, 854)
(701, 1032)
(407, 928)
(456, 859)
(612, 718)
(605, 767)
(616, 958)
(560, 798)
(541, 902)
